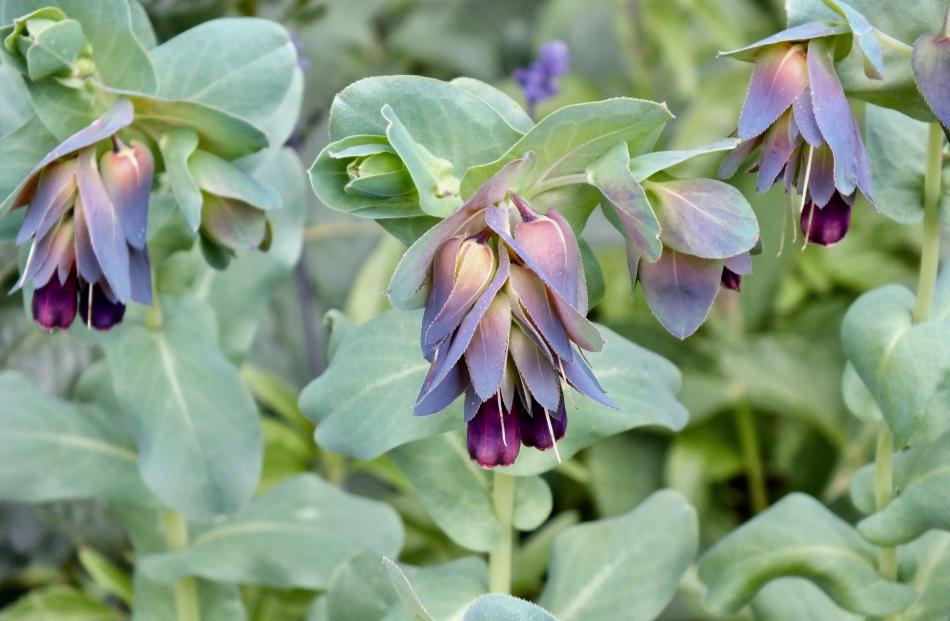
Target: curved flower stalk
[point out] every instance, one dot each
(505, 319)
(86, 219)
(797, 126)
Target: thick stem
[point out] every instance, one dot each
(752, 456)
(186, 590)
(499, 561)
(930, 255)
(883, 491)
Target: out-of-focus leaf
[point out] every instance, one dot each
(156, 602)
(106, 575)
(293, 536)
(798, 536)
(53, 450)
(624, 568)
(797, 599)
(624, 470)
(925, 563)
(411, 603)
(649, 164)
(58, 603)
(21, 150)
(530, 563)
(457, 493)
(496, 607)
(931, 62)
(195, 423)
(901, 363)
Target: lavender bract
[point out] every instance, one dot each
(504, 320)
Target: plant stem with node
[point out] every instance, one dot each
(499, 560)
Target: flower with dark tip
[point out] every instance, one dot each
(827, 225)
(539, 81)
(86, 220)
(796, 123)
(504, 322)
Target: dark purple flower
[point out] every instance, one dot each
(827, 225)
(54, 304)
(539, 81)
(493, 435)
(505, 314)
(86, 221)
(98, 307)
(731, 280)
(797, 117)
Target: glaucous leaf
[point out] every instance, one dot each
(240, 66)
(364, 401)
(55, 450)
(901, 363)
(497, 607)
(897, 150)
(798, 536)
(58, 602)
(155, 601)
(195, 423)
(921, 473)
(176, 146)
(572, 138)
(625, 568)
(457, 494)
(411, 603)
(931, 63)
(797, 599)
(648, 164)
(293, 536)
(504, 105)
(925, 564)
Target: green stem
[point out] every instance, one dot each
(930, 255)
(186, 589)
(752, 456)
(883, 491)
(499, 561)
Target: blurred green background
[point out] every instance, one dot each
(762, 379)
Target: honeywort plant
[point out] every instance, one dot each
(134, 171)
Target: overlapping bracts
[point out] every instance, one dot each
(86, 219)
(797, 118)
(504, 323)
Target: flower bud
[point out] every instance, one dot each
(127, 176)
(493, 436)
(381, 175)
(535, 430)
(29, 40)
(54, 304)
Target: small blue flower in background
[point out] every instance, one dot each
(539, 80)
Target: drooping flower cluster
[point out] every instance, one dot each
(796, 114)
(504, 317)
(539, 81)
(86, 217)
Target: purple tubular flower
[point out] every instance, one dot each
(539, 81)
(86, 220)
(494, 437)
(504, 317)
(827, 225)
(731, 280)
(796, 116)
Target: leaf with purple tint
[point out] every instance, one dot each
(777, 149)
(57, 185)
(86, 262)
(834, 117)
(140, 274)
(127, 177)
(544, 243)
(460, 342)
(574, 261)
(533, 296)
(520, 317)
(578, 327)
(409, 285)
(821, 180)
(805, 119)
(731, 163)
(802, 32)
(704, 217)
(443, 282)
(629, 210)
(435, 400)
(232, 223)
(931, 64)
(740, 264)
(218, 176)
(579, 375)
(536, 370)
(866, 36)
(473, 270)
(680, 290)
(649, 164)
(104, 226)
(487, 352)
(779, 77)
